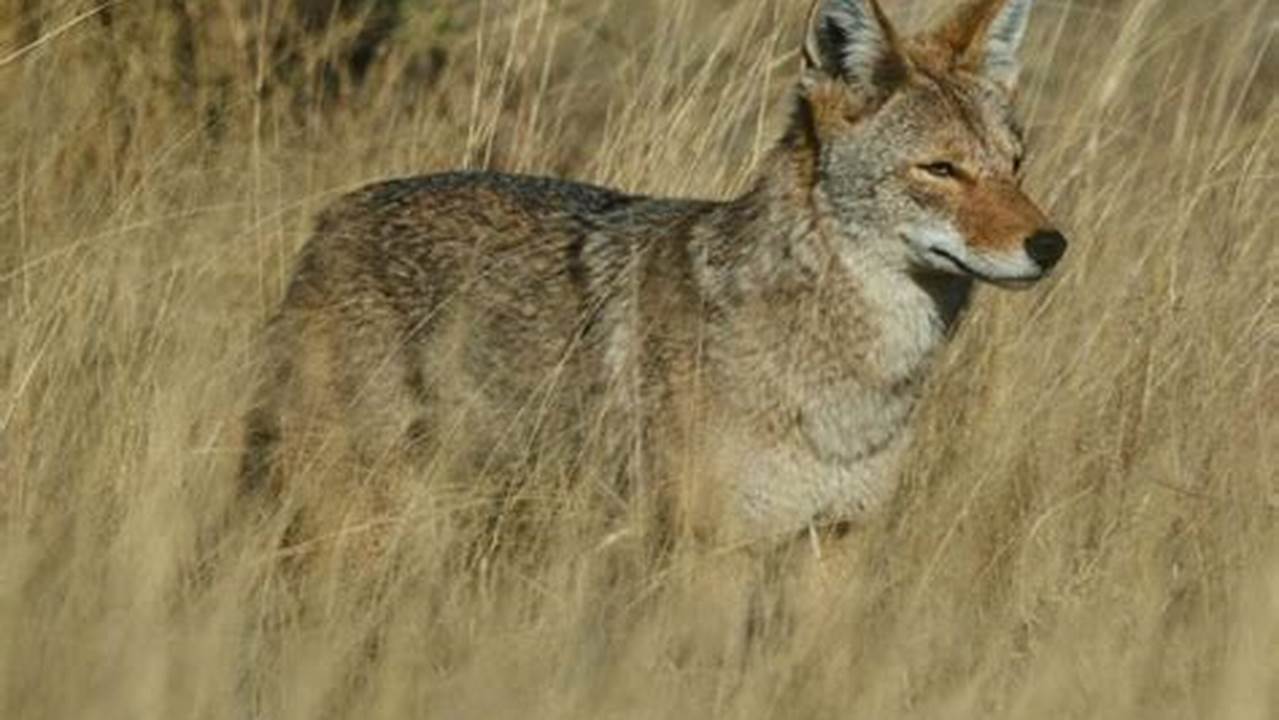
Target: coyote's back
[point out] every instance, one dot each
(749, 366)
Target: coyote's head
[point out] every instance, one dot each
(915, 142)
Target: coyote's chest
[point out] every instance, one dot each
(827, 455)
(818, 431)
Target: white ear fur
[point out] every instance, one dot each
(1001, 42)
(851, 40)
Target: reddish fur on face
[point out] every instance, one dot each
(994, 215)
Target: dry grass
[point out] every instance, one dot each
(1090, 525)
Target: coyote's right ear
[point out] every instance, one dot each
(852, 40)
(985, 36)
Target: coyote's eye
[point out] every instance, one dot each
(941, 169)
(1017, 163)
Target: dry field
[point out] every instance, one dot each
(1089, 527)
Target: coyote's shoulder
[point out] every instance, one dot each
(754, 361)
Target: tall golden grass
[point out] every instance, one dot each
(1090, 522)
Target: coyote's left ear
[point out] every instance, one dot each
(986, 35)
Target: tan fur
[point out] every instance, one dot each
(751, 366)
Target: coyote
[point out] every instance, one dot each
(752, 363)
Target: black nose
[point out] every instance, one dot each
(1046, 247)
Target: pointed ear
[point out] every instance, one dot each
(853, 41)
(986, 35)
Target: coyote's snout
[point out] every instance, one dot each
(754, 362)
